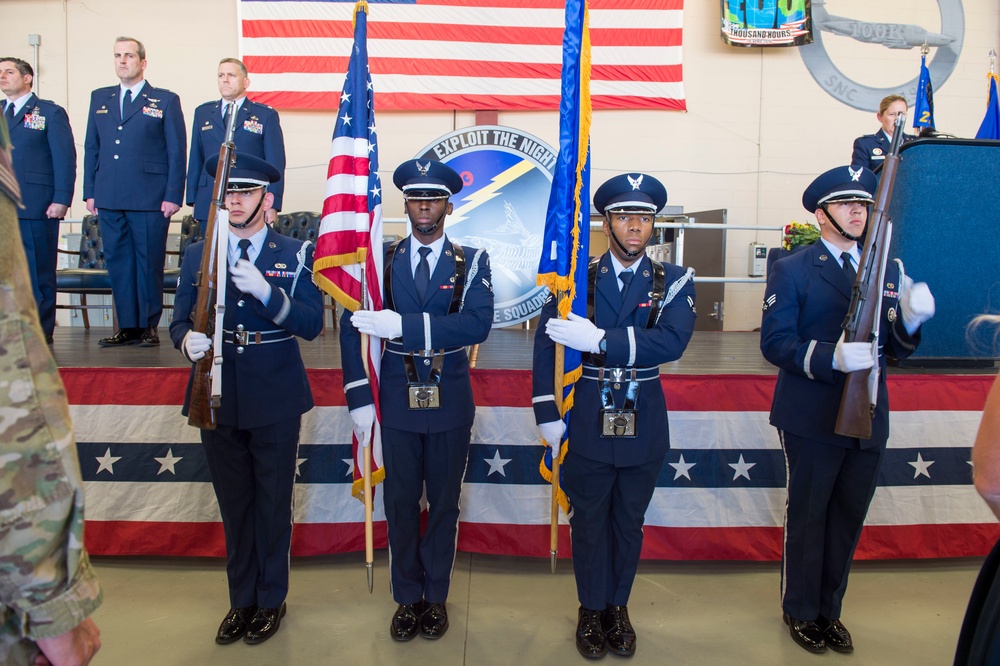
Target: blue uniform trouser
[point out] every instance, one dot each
(421, 565)
(609, 508)
(41, 241)
(135, 247)
(253, 472)
(829, 491)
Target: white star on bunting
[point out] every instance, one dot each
(497, 463)
(107, 462)
(920, 467)
(682, 468)
(741, 468)
(167, 464)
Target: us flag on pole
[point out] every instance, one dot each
(463, 54)
(350, 232)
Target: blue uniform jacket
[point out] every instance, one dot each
(266, 383)
(425, 327)
(870, 150)
(135, 162)
(44, 157)
(806, 299)
(629, 343)
(258, 133)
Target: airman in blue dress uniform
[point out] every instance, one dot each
(870, 149)
(642, 314)
(270, 298)
(258, 133)
(831, 478)
(133, 180)
(438, 300)
(44, 158)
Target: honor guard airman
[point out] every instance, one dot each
(438, 300)
(641, 314)
(831, 477)
(270, 299)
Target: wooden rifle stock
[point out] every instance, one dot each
(857, 404)
(201, 407)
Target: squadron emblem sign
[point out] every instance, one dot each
(507, 175)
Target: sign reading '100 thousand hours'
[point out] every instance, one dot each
(507, 175)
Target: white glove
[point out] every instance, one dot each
(249, 280)
(552, 432)
(363, 418)
(576, 332)
(852, 356)
(916, 304)
(195, 345)
(384, 324)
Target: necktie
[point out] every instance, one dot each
(422, 276)
(849, 267)
(626, 277)
(244, 248)
(126, 101)
(225, 110)
(10, 112)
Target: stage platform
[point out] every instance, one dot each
(720, 494)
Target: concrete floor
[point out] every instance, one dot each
(504, 610)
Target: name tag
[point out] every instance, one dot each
(151, 112)
(101, 111)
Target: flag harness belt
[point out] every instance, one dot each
(621, 423)
(426, 395)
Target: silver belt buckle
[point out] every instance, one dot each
(424, 395)
(241, 337)
(618, 423)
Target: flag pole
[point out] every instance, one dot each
(366, 452)
(556, 450)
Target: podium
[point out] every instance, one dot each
(946, 217)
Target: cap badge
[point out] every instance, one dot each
(634, 182)
(855, 175)
(423, 169)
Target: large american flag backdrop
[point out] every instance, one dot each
(720, 494)
(461, 54)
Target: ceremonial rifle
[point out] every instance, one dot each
(857, 405)
(206, 393)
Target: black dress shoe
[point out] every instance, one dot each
(836, 635)
(149, 338)
(121, 338)
(434, 621)
(48, 339)
(406, 621)
(264, 624)
(618, 631)
(234, 625)
(806, 633)
(590, 640)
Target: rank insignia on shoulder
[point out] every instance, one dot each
(891, 315)
(152, 112)
(769, 301)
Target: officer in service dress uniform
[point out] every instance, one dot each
(640, 314)
(270, 298)
(438, 300)
(870, 150)
(258, 133)
(831, 478)
(45, 164)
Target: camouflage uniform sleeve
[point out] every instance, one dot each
(47, 585)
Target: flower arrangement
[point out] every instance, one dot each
(798, 233)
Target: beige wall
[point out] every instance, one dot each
(757, 129)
